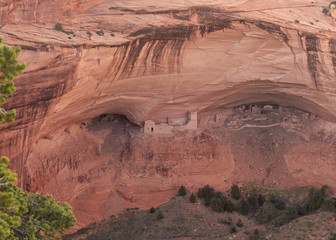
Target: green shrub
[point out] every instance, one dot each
(152, 210)
(329, 204)
(261, 200)
(233, 230)
(290, 214)
(240, 223)
(58, 27)
(255, 235)
(100, 33)
(243, 207)
(207, 201)
(235, 192)
(315, 201)
(159, 216)
(277, 202)
(218, 202)
(182, 191)
(225, 221)
(332, 2)
(192, 198)
(229, 206)
(266, 213)
(252, 200)
(206, 192)
(325, 10)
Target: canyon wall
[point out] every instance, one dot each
(149, 60)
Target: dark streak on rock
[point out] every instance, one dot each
(334, 62)
(312, 56)
(272, 29)
(152, 43)
(311, 43)
(332, 44)
(212, 19)
(32, 105)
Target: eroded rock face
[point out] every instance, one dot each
(153, 60)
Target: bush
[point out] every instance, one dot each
(261, 200)
(225, 221)
(192, 198)
(315, 201)
(266, 213)
(235, 192)
(100, 33)
(240, 223)
(207, 201)
(329, 204)
(278, 203)
(253, 201)
(206, 192)
(332, 2)
(229, 206)
(290, 214)
(255, 235)
(233, 230)
(159, 216)
(152, 210)
(218, 202)
(243, 207)
(58, 27)
(182, 191)
(325, 10)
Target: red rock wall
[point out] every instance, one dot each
(159, 59)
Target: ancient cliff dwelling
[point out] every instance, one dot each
(169, 126)
(123, 102)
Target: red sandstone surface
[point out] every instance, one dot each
(163, 59)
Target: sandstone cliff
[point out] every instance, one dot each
(152, 60)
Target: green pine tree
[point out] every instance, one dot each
(235, 192)
(10, 208)
(9, 69)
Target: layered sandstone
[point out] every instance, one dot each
(163, 59)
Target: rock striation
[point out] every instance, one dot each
(147, 60)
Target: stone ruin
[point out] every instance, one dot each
(168, 128)
(259, 115)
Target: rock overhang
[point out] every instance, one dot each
(163, 59)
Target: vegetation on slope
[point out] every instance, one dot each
(257, 214)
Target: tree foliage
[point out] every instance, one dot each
(243, 207)
(182, 191)
(235, 192)
(44, 218)
(10, 207)
(206, 192)
(218, 202)
(9, 69)
(192, 198)
(58, 27)
(24, 215)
